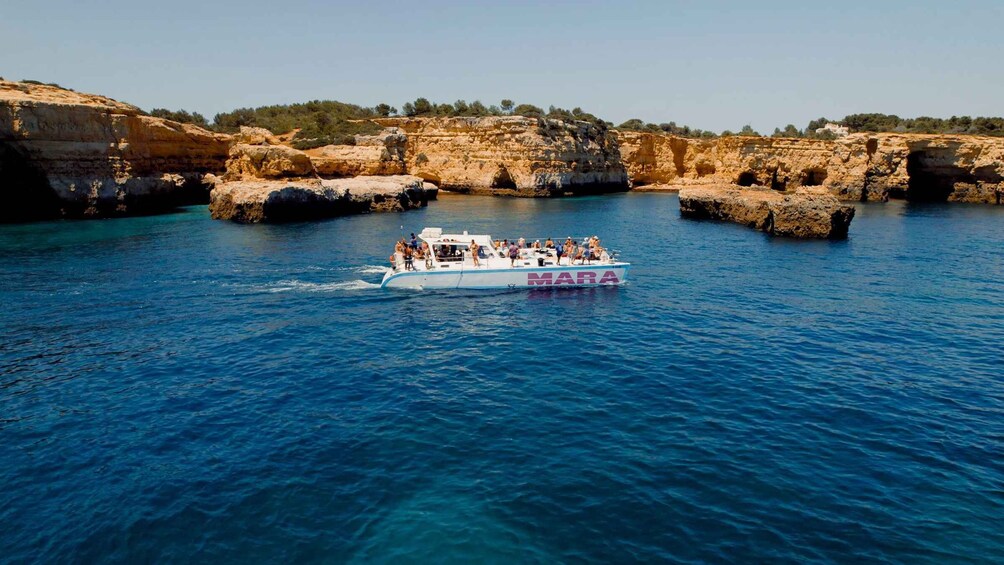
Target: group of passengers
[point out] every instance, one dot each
(588, 250)
(405, 252)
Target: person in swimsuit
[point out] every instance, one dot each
(474, 253)
(513, 254)
(409, 258)
(549, 243)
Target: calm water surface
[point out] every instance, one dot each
(179, 389)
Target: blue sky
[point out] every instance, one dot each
(713, 65)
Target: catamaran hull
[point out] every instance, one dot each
(536, 277)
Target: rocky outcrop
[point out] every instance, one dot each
(512, 155)
(381, 154)
(68, 154)
(806, 213)
(270, 182)
(858, 167)
(252, 201)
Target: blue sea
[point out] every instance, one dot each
(179, 389)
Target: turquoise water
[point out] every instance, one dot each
(179, 389)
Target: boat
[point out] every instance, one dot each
(450, 264)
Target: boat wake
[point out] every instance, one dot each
(371, 270)
(303, 286)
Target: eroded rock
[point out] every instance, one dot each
(512, 155)
(70, 154)
(858, 167)
(806, 213)
(253, 201)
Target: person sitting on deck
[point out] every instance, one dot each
(474, 253)
(549, 243)
(536, 244)
(522, 243)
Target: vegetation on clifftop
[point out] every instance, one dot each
(327, 122)
(319, 122)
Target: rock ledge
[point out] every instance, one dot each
(806, 213)
(285, 200)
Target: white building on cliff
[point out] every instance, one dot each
(837, 129)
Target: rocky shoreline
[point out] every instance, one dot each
(807, 213)
(68, 154)
(276, 201)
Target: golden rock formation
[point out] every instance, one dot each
(805, 213)
(381, 154)
(270, 182)
(858, 167)
(512, 155)
(64, 153)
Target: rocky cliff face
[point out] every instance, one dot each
(381, 154)
(512, 155)
(67, 154)
(805, 213)
(266, 181)
(859, 167)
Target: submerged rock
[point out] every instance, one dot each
(806, 213)
(262, 200)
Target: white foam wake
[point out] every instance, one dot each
(302, 286)
(371, 269)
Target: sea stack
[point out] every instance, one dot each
(806, 213)
(270, 182)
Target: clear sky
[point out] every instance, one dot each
(713, 65)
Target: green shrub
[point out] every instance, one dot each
(180, 116)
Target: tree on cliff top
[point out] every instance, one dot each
(320, 122)
(182, 116)
(636, 124)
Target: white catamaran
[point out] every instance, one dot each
(446, 261)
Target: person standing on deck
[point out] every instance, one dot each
(513, 254)
(474, 253)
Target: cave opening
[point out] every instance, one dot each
(704, 169)
(746, 179)
(24, 187)
(503, 179)
(777, 182)
(813, 177)
(931, 179)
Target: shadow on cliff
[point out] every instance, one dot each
(24, 187)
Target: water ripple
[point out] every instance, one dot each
(178, 389)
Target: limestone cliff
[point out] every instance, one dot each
(859, 167)
(68, 154)
(512, 155)
(267, 181)
(381, 154)
(805, 213)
